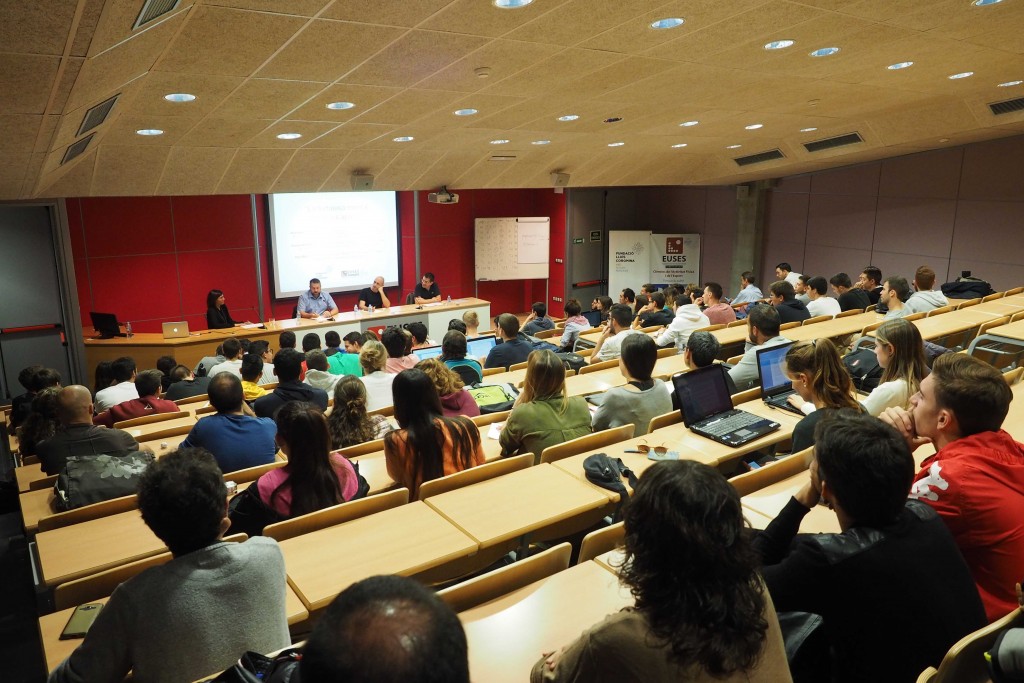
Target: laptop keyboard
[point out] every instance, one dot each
(730, 424)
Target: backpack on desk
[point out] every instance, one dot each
(864, 369)
(88, 479)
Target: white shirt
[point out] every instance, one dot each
(612, 346)
(688, 318)
(793, 278)
(232, 366)
(892, 394)
(823, 305)
(268, 375)
(378, 390)
(111, 396)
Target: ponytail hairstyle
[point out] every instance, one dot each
(313, 481)
(907, 348)
(830, 381)
(349, 423)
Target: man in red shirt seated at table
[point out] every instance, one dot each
(147, 383)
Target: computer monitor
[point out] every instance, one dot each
(106, 324)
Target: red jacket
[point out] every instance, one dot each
(137, 407)
(976, 484)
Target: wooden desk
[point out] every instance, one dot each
(506, 636)
(34, 506)
(945, 324)
(162, 446)
(26, 474)
(1013, 331)
(405, 540)
(1008, 305)
(767, 503)
(517, 504)
(140, 432)
(611, 560)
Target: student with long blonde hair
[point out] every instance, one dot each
(900, 351)
(543, 415)
(820, 378)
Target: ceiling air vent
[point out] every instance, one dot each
(759, 158)
(153, 9)
(1007, 107)
(829, 143)
(76, 148)
(97, 115)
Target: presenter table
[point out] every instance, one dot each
(145, 348)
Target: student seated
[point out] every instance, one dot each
(821, 383)
(543, 415)
(348, 422)
(288, 370)
(21, 405)
(427, 445)
(513, 346)
(575, 323)
(196, 614)
(609, 343)
(398, 342)
(783, 298)
(184, 384)
(763, 330)
(850, 298)
(77, 435)
(716, 310)
(472, 321)
(332, 342)
(420, 336)
(121, 387)
(893, 297)
(41, 423)
(318, 372)
(455, 400)
(654, 313)
(372, 358)
(453, 352)
(701, 613)
(688, 317)
(892, 587)
(925, 298)
(147, 385)
(538, 320)
(642, 398)
(820, 303)
(252, 370)
(900, 353)
(165, 364)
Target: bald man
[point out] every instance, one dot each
(79, 436)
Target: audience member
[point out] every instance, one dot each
(604, 305)
(849, 297)
(77, 434)
(217, 315)
(925, 298)
(870, 281)
(420, 335)
(426, 290)
(784, 271)
(35, 378)
(347, 363)
(893, 559)
(353, 342)
(822, 385)
(748, 294)
(427, 445)
(472, 321)
(800, 289)
(627, 296)
(647, 289)
(332, 341)
(41, 423)
(895, 293)
(236, 438)
(575, 323)
(702, 612)
(372, 358)
(820, 303)
(457, 324)
(349, 423)
(642, 301)
(202, 368)
(762, 330)
(717, 311)
(785, 302)
(702, 348)
(288, 368)
(286, 340)
(252, 370)
(104, 376)
(453, 353)
(165, 364)
(455, 400)
(538, 320)
(261, 347)
(642, 398)
(976, 477)
(386, 629)
(184, 384)
(317, 374)
(122, 373)
(233, 353)
(513, 346)
(310, 342)
(194, 615)
(543, 415)
(147, 384)
(688, 317)
(398, 342)
(656, 313)
(900, 352)
(610, 341)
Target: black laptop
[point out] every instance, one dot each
(707, 408)
(775, 385)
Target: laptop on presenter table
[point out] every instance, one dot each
(707, 410)
(775, 385)
(175, 330)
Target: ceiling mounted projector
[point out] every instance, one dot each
(443, 197)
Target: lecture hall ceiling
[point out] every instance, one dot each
(260, 68)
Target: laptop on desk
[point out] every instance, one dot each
(176, 330)
(775, 385)
(707, 410)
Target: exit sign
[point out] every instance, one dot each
(577, 240)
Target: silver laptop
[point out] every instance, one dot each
(175, 330)
(707, 408)
(775, 385)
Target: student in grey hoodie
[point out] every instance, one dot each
(318, 372)
(688, 318)
(925, 298)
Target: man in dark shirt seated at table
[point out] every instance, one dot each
(78, 435)
(427, 291)
(184, 384)
(288, 368)
(374, 295)
(783, 298)
(892, 586)
(236, 438)
(538, 321)
(147, 383)
(850, 298)
(513, 347)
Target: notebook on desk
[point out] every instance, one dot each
(775, 385)
(707, 410)
(175, 330)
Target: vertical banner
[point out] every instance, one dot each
(629, 256)
(674, 259)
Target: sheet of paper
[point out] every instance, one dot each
(495, 431)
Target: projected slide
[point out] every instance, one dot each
(343, 238)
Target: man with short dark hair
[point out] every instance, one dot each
(252, 371)
(286, 340)
(426, 290)
(975, 480)
(925, 298)
(123, 372)
(333, 342)
(800, 289)
(749, 293)
(147, 384)
(538, 320)
(318, 372)
(347, 363)
(627, 296)
(654, 313)
(513, 346)
(609, 344)
(78, 435)
(189, 617)
(895, 293)
(316, 303)
(850, 297)
(870, 281)
(289, 387)
(233, 364)
(184, 384)
(643, 397)
(763, 330)
(820, 303)
(717, 311)
(784, 271)
(261, 348)
(386, 629)
(202, 368)
(310, 341)
(236, 438)
(784, 300)
(702, 348)
(353, 342)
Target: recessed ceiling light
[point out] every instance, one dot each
(149, 131)
(899, 65)
(669, 22)
(754, 126)
(404, 138)
(677, 146)
(808, 130)
(289, 136)
(985, 3)
(687, 124)
(1009, 84)
(568, 117)
(541, 142)
(616, 144)
(464, 112)
(734, 146)
(824, 51)
(778, 44)
(962, 74)
(499, 142)
(179, 97)
(511, 4)
(340, 105)
(613, 119)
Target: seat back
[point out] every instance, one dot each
(940, 310)
(992, 297)
(547, 334)
(659, 421)
(815, 319)
(1014, 292)
(493, 371)
(193, 399)
(362, 448)
(871, 328)
(602, 365)
(915, 316)
(735, 359)
(965, 661)
(989, 324)
(744, 396)
(852, 311)
(737, 323)
(667, 351)
(518, 366)
(167, 433)
(968, 303)
(474, 475)
(207, 410)
(1013, 376)
(492, 585)
(755, 480)
(105, 508)
(601, 541)
(336, 514)
(253, 473)
(386, 411)
(719, 326)
(789, 326)
(587, 443)
(149, 419)
(467, 373)
(489, 418)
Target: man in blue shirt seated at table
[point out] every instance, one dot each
(316, 303)
(237, 438)
(514, 347)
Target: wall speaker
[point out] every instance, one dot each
(560, 179)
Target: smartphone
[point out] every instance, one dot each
(80, 621)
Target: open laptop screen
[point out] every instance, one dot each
(427, 352)
(771, 369)
(480, 346)
(702, 393)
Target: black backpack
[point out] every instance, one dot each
(864, 369)
(572, 361)
(607, 473)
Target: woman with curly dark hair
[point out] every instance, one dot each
(41, 423)
(701, 611)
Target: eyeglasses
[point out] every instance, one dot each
(645, 449)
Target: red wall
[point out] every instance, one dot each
(153, 259)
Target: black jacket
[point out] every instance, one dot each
(792, 310)
(266, 406)
(218, 319)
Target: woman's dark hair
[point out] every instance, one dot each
(348, 422)
(606, 303)
(572, 308)
(104, 376)
(41, 423)
(639, 354)
(397, 341)
(456, 324)
(313, 481)
(691, 569)
(211, 298)
(453, 345)
(418, 412)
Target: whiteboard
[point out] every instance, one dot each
(512, 248)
